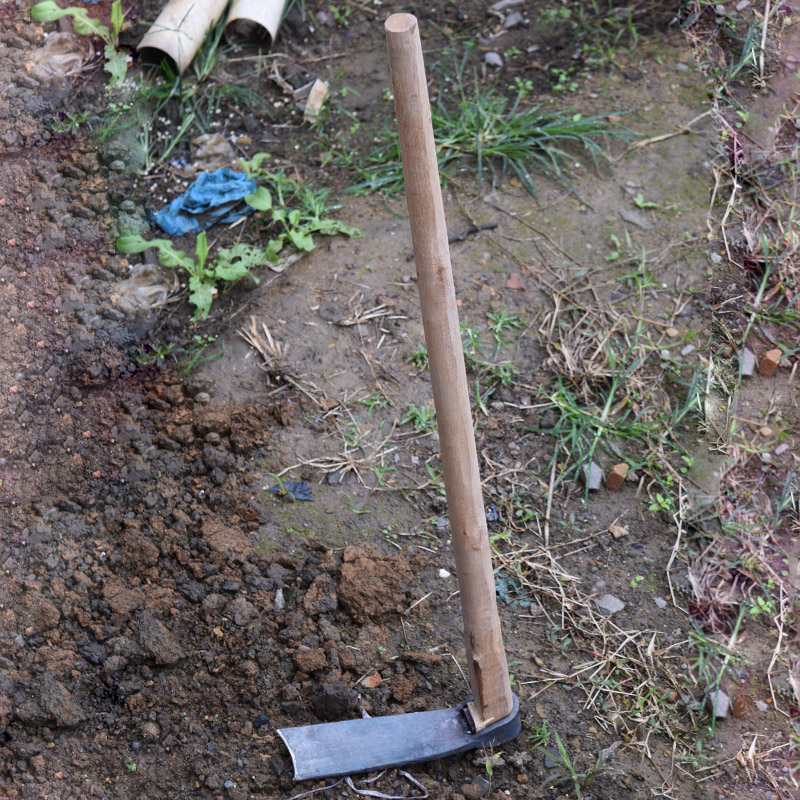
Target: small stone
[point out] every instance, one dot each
(260, 721)
(616, 476)
(522, 778)
(716, 258)
(689, 348)
(664, 354)
(592, 476)
(202, 398)
(472, 791)
(280, 602)
(761, 705)
(681, 67)
(493, 59)
(769, 362)
(117, 166)
(742, 5)
(781, 449)
(661, 602)
(513, 20)
(672, 332)
(229, 785)
(371, 681)
(765, 431)
(150, 732)
(748, 363)
(636, 218)
(608, 604)
(719, 704)
(443, 573)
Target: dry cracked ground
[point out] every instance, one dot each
(162, 613)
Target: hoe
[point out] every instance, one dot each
(491, 715)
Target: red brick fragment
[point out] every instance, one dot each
(371, 681)
(769, 362)
(616, 476)
(515, 281)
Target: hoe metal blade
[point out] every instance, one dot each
(365, 745)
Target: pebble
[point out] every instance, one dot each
(672, 332)
(761, 705)
(719, 703)
(781, 449)
(664, 354)
(609, 604)
(493, 59)
(513, 20)
(117, 166)
(203, 398)
(280, 602)
(660, 602)
(593, 476)
(443, 573)
(690, 348)
(748, 363)
(260, 721)
(681, 67)
(229, 785)
(716, 258)
(765, 431)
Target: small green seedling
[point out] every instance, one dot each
(617, 251)
(419, 357)
(230, 265)
(116, 61)
(423, 418)
(642, 203)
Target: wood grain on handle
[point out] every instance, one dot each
(488, 672)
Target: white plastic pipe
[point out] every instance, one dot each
(254, 19)
(179, 31)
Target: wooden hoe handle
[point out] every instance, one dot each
(488, 672)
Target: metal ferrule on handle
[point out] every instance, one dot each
(488, 672)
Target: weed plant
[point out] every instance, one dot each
(491, 135)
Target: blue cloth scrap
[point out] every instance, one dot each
(297, 490)
(213, 197)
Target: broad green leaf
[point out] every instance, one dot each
(260, 199)
(248, 254)
(279, 214)
(201, 296)
(301, 239)
(49, 11)
(331, 227)
(231, 271)
(133, 244)
(201, 251)
(273, 248)
(294, 217)
(116, 64)
(116, 17)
